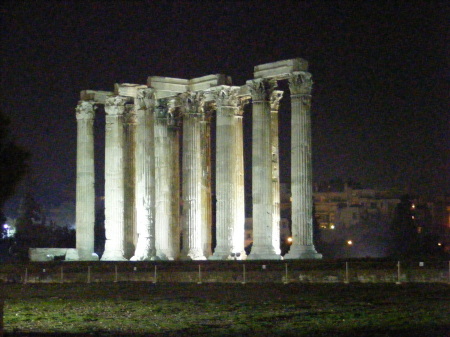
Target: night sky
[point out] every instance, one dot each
(380, 69)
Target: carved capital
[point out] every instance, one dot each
(261, 89)
(162, 108)
(145, 99)
(129, 115)
(300, 83)
(193, 102)
(226, 96)
(85, 110)
(115, 106)
(277, 95)
(306, 99)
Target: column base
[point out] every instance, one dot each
(263, 253)
(113, 255)
(193, 255)
(144, 252)
(145, 258)
(302, 252)
(221, 254)
(78, 255)
(164, 256)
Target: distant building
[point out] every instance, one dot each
(340, 211)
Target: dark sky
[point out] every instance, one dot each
(380, 70)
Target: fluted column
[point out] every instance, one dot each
(205, 146)
(192, 177)
(129, 167)
(239, 222)
(175, 181)
(274, 105)
(300, 84)
(166, 224)
(114, 179)
(85, 193)
(145, 176)
(229, 232)
(263, 233)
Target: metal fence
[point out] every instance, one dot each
(229, 271)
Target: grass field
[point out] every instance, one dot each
(146, 309)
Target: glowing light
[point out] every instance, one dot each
(349, 242)
(413, 206)
(439, 244)
(332, 226)
(5, 226)
(289, 239)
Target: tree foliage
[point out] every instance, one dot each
(13, 163)
(32, 230)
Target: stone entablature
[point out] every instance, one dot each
(143, 177)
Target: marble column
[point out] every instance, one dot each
(145, 176)
(300, 84)
(175, 180)
(229, 232)
(193, 105)
(85, 193)
(114, 179)
(239, 232)
(274, 105)
(205, 145)
(129, 167)
(166, 213)
(263, 233)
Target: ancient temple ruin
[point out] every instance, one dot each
(152, 198)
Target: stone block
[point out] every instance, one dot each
(168, 86)
(280, 69)
(128, 89)
(46, 254)
(208, 81)
(95, 95)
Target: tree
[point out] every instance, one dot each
(13, 164)
(405, 239)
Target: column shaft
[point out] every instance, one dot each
(205, 145)
(130, 181)
(229, 224)
(192, 179)
(166, 186)
(239, 222)
(145, 176)
(274, 105)
(85, 193)
(114, 179)
(175, 174)
(263, 232)
(301, 168)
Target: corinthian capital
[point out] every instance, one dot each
(261, 89)
(115, 106)
(300, 83)
(275, 100)
(85, 110)
(145, 99)
(129, 115)
(226, 96)
(193, 102)
(162, 108)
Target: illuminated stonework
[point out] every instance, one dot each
(158, 167)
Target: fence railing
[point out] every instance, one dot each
(229, 271)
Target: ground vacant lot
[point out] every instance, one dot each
(146, 309)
